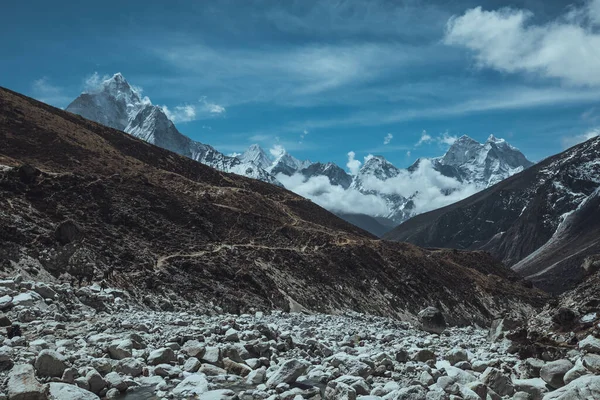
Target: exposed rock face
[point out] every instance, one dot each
(543, 221)
(164, 227)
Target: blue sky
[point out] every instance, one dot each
(323, 78)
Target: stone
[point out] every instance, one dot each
(522, 396)
(192, 364)
(553, 372)
(28, 299)
(535, 387)
(49, 363)
(114, 380)
(45, 291)
(129, 366)
(113, 394)
(211, 370)
(257, 376)
(339, 391)
(95, 381)
(402, 356)
(534, 366)
(423, 355)
(500, 327)
(193, 348)
(478, 388)
(63, 391)
(432, 320)
(6, 302)
(575, 373)
(590, 344)
(167, 370)
(212, 355)
(355, 382)
(164, 355)
(584, 388)
(120, 349)
(457, 355)
(193, 385)
(232, 335)
(6, 361)
(22, 384)
(591, 362)
(288, 372)
(218, 394)
(498, 382)
(236, 368)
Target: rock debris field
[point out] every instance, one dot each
(64, 342)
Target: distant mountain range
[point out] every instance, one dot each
(467, 167)
(544, 222)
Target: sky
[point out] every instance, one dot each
(399, 78)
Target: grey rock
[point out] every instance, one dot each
(591, 362)
(288, 372)
(22, 384)
(192, 364)
(49, 363)
(193, 348)
(585, 388)
(95, 381)
(457, 355)
(63, 391)
(432, 320)
(114, 380)
(553, 372)
(193, 385)
(120, 349)
(574, 373)
(498, 382)
(164, 355)
(129, 366)
(590, 344)
(535, 387)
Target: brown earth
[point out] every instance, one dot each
(175, 228)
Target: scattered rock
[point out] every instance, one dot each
(553, 372)
(49, 363)
(432, 320)
(22, 384)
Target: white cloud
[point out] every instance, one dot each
(428, 188)
(94, 82)
(332, 197)
(210, 108)
(353, 164)
(49, 93)
(425, 138)
(408, 153)
(277, 150)
(569, 141)
(565, 49)
(184, 113)
(448, 139)
(388, 138)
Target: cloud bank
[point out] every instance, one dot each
(426, 187)
(505, 40)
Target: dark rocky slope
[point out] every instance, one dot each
(168, 227)
(518, 216)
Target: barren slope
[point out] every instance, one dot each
(173, 226)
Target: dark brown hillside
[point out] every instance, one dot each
(176, 228)
(518, 216)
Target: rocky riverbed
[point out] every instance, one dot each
(64, 342)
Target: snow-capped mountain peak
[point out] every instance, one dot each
(379, 167)
(119, 105)
(287, 164)
(256, 155)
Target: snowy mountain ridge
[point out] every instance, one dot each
(394, 194)
(119, 105)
